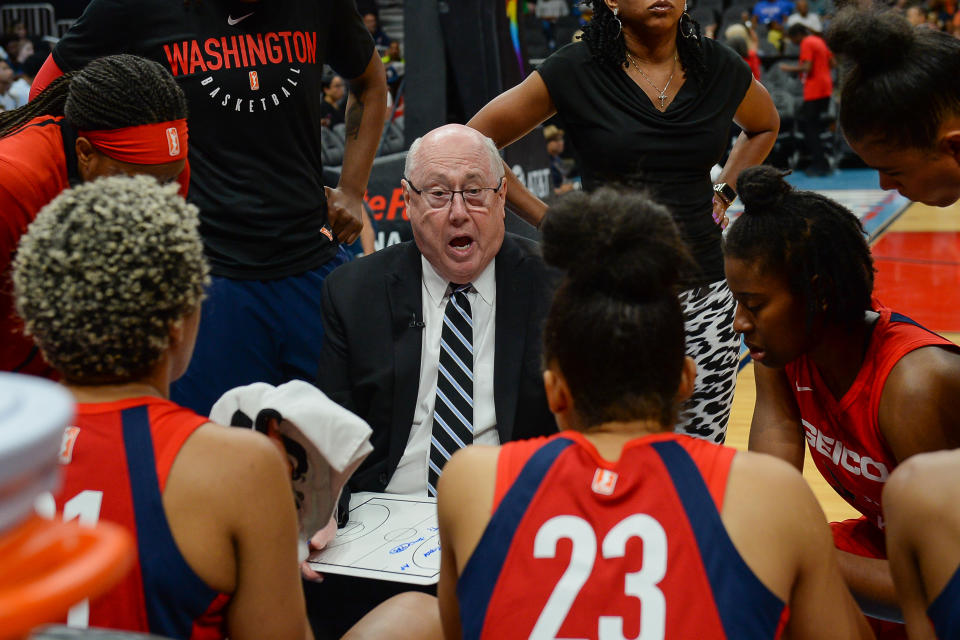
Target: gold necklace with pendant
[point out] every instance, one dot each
(662, 95)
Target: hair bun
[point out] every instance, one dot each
(872, 40)
(619, 243)
(762, 187)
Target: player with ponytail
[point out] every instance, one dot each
(900, 101)
(864, 386)
(617, 525)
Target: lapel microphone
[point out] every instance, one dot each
(416, 324)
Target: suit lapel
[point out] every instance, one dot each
(404, 294)
(513, 295)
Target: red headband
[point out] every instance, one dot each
(157, 143)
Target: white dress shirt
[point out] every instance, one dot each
(411, 475)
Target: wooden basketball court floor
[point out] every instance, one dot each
(918, 273)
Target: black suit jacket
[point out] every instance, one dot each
(370, 359)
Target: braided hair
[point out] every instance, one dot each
(606, 44)
(109, 93)
(816, 243)
(615, 328)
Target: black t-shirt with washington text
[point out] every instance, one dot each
(251, 73)
(621, 137)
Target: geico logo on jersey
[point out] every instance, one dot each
(841, 456)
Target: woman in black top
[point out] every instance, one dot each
(647, 101)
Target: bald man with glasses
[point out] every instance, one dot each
(436, 342)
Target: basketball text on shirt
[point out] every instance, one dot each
(214, 56)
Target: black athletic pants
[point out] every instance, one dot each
(811, 123)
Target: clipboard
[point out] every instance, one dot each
(388, 537)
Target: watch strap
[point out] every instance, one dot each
(725, 191)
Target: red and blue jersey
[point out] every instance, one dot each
(36, 164)
(116, 458)
(580, 547)
(844, 435)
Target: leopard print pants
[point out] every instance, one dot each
(712, 343)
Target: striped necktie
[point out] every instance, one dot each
(453, 408)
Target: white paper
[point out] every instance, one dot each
(388, 537)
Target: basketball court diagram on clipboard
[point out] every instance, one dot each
(388, 537)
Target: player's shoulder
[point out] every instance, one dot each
(927, 365)
(765, 483)
(924, 482)
(761, 465)
(469, 463)
(42, 130)
(923, 382)
(765, 489)
(238, 454)
(237, 473)
(467, 482)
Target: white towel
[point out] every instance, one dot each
(325, 443)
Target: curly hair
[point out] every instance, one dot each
(103, 272)
(616, 325)
(109, 93)
(603, 38)
(815, 242)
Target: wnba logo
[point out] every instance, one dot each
(254, 81)
(604, 481)
(173, 141)
(66, 444)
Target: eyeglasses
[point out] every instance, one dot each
(438, 197)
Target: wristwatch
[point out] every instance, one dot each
(726, 192)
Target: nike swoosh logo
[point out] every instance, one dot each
(232, 21)
(799, 388)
